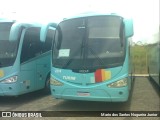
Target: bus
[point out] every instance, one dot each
(154, 60)
(25, 62)
(91, 58)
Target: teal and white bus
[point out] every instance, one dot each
(91, 58)
(25, 63)
(154, 59)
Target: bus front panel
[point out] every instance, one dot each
(90, 59)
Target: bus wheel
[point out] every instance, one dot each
(47, 85)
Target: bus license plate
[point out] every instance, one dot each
(83, 93)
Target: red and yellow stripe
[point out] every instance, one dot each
(1, 73)
(102, 75)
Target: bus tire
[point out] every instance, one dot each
(47, 85)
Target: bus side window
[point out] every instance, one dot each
(31, 44)
(48, 42)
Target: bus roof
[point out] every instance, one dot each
(17, 26)
(6, 20)
(88, 14)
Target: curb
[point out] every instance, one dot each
(141, 75)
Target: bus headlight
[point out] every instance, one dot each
(10, 79)
(55, 82)
(119, 83)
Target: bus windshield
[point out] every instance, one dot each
(8, 49)
(89, 43)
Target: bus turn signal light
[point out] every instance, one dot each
(55, 82)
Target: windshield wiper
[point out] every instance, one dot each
(84, 67)
(0, 64)
(97, 57)
(82, 49)
(71, 59)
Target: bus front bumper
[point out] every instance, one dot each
(92, 94)
(9, 89)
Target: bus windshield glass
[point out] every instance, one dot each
(89, 43)
(8, 49)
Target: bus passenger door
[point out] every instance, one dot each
(28, 62)
(31, 53)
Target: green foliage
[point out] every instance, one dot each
(139, 59)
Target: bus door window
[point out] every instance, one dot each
(31, 45)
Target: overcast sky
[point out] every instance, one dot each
(145, 13)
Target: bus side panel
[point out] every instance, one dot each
(131, 63)
(128, 65)
(27, 76)
(43, 68)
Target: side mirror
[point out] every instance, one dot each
(44, 29)
(128, 27)
(16, 30)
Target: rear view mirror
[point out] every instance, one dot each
(16, 30)
(44, 30)
(128, 27)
